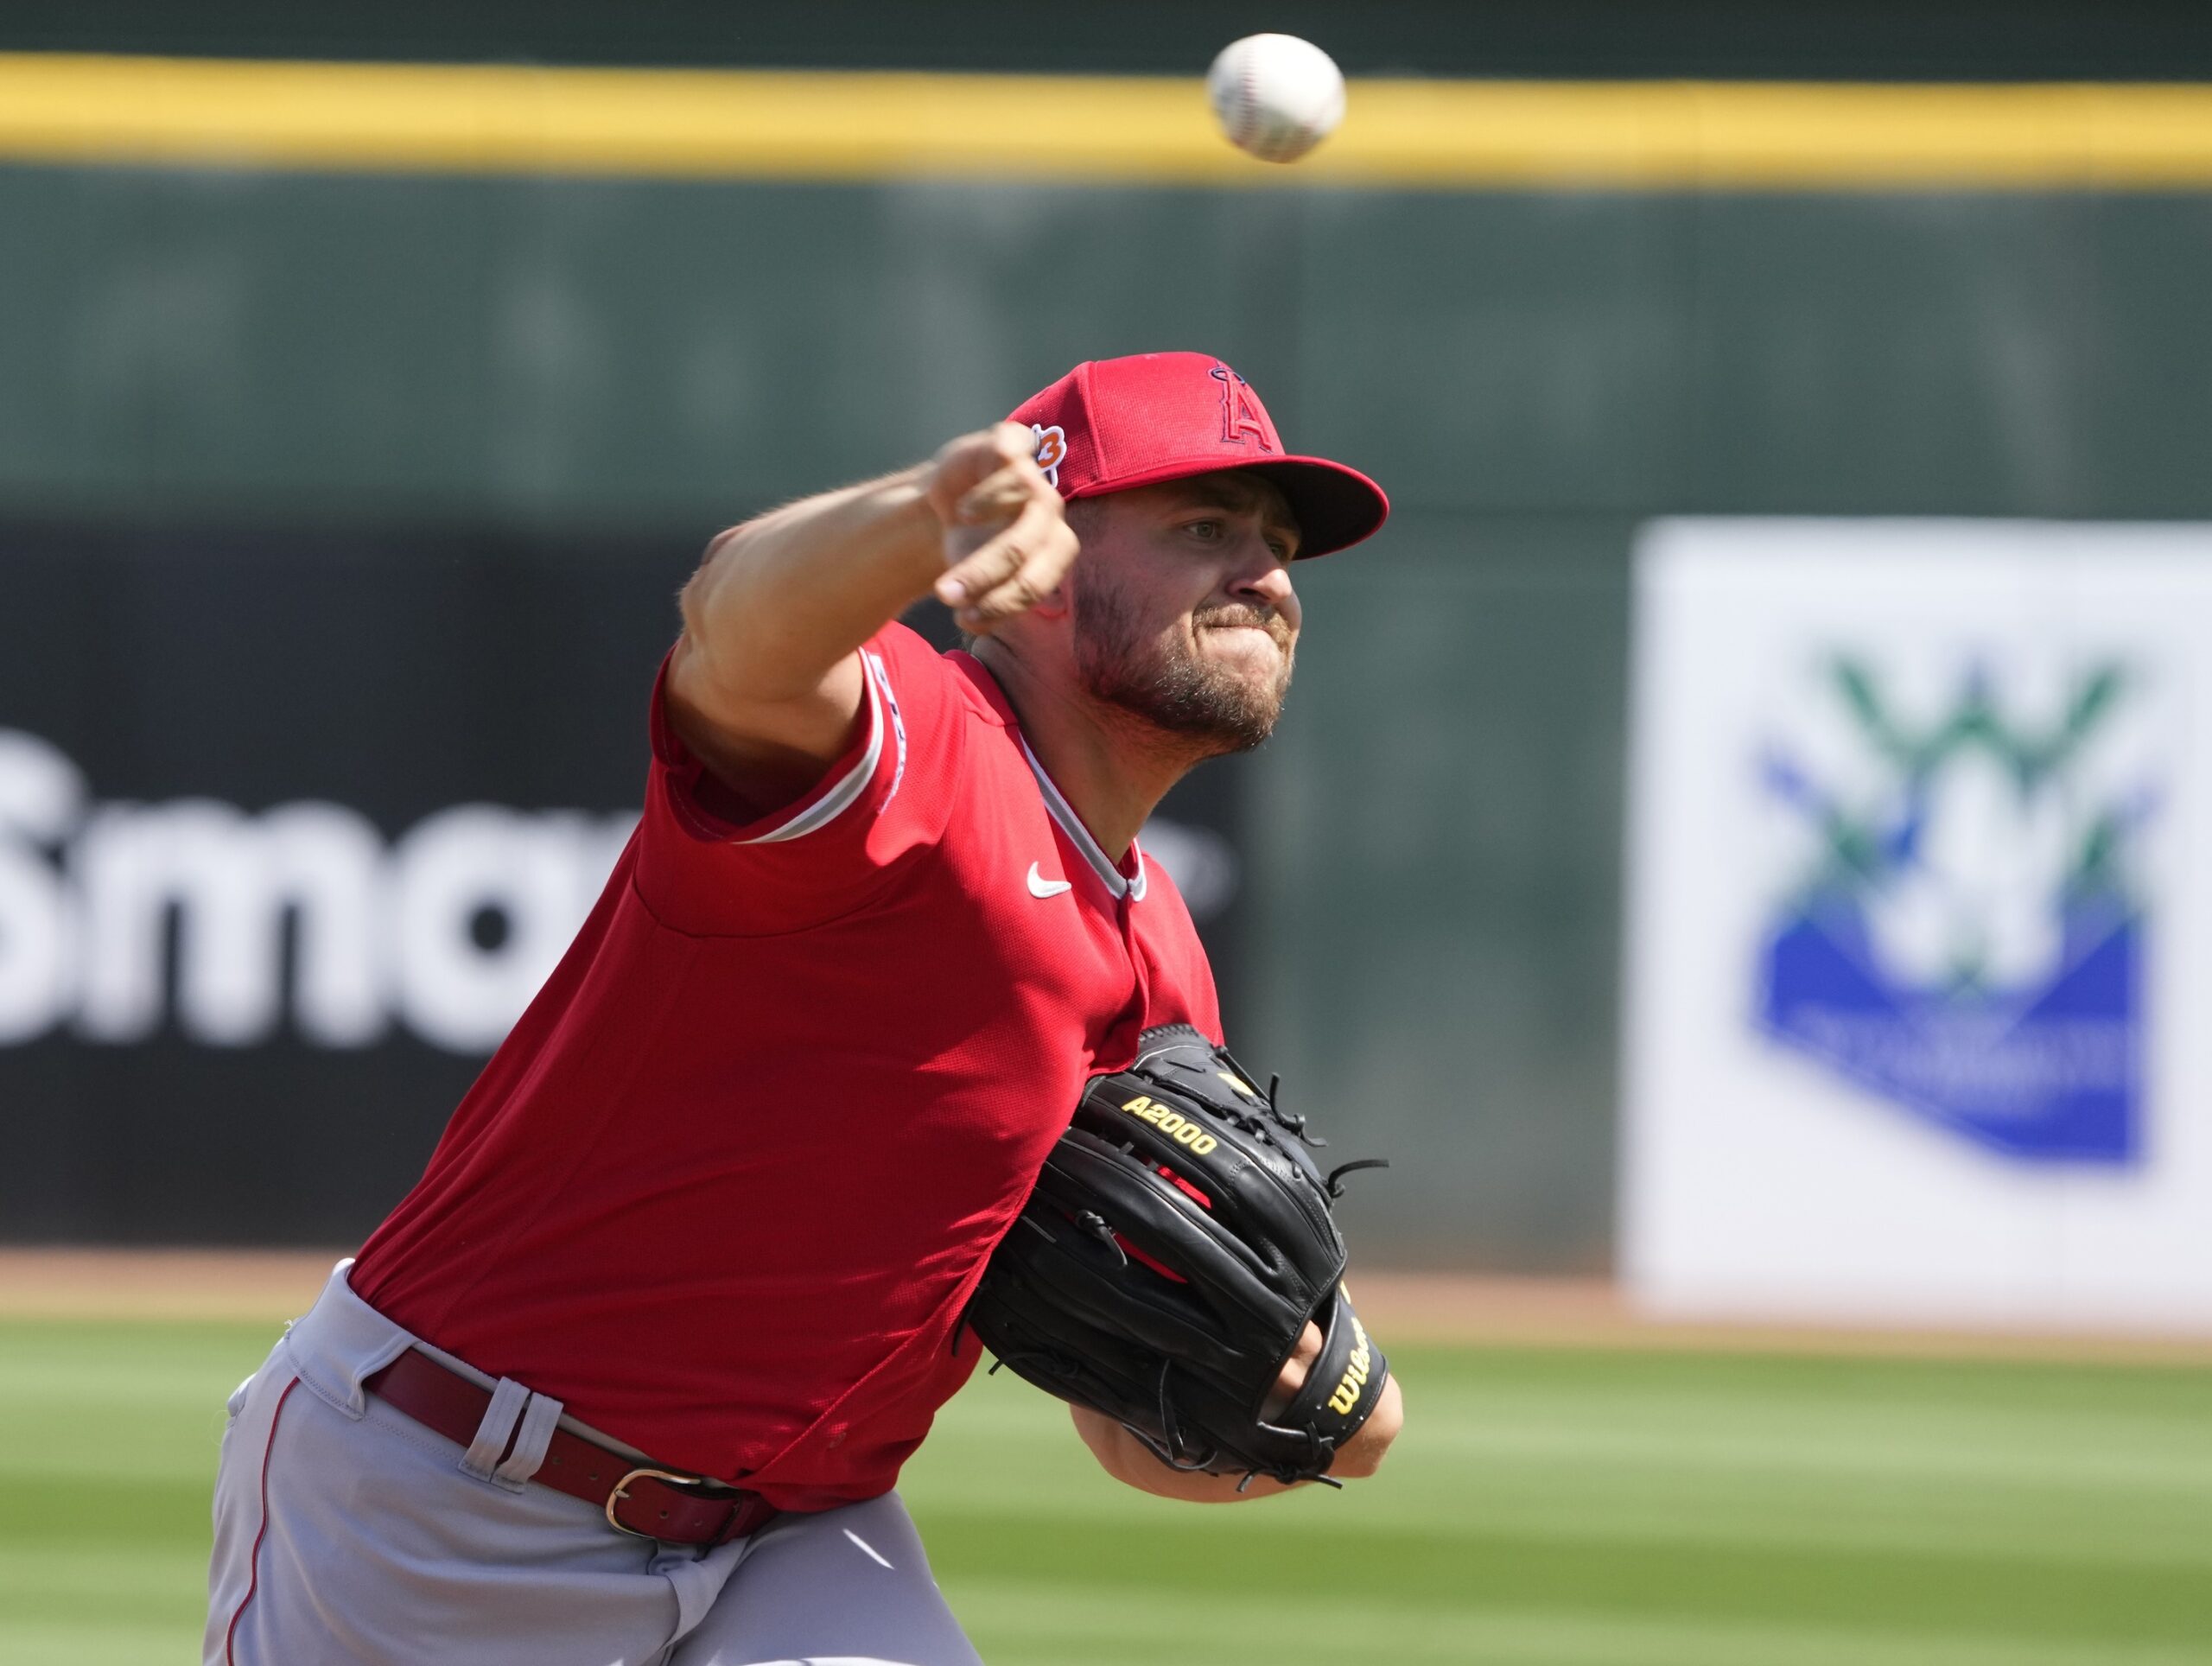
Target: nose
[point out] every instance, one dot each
(1267, 584)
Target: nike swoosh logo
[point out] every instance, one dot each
(1041, 887)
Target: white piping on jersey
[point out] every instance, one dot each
(898, 722)
(1079, 835)
(826, 808)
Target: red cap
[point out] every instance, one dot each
(1114, 423)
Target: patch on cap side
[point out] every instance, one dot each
(1051, 450)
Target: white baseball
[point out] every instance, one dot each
(1276, 96)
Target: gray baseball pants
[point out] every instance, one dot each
(346, 1532)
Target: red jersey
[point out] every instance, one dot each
(727, 1186)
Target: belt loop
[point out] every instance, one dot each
(532, 1437)
(491, 1442)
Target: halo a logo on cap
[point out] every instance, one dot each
(1240, 409)
(1051, 450)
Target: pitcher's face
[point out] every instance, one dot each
(1183, 613)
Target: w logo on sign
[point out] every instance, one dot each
(1241, 412)
(1963, 934)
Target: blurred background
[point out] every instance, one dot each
(1732, 844)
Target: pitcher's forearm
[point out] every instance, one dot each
(765, 685)
(780, 601)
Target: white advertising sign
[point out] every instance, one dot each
(1919, 962)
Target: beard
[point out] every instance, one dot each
(1165, 684)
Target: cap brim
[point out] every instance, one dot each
(1335, 507)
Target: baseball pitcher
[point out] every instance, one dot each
(883, 1043)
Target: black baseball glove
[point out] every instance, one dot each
(1165, 1266)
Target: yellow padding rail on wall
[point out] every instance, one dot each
(402, 118)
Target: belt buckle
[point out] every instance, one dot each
(700, 1486)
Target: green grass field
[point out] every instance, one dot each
(1544, 1508)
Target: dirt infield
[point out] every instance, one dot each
(271, 1286)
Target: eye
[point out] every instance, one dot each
(1210, 529)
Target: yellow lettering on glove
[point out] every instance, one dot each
(1356, 1366)
(1184, 1131)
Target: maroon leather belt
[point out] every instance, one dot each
(639, 1500)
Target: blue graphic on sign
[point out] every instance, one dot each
(1967, 942)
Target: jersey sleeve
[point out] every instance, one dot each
(883, 803)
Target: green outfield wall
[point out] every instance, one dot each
(1429, 944)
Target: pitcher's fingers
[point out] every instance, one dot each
(1035, 568)
(1040, 567)
(999, 494)
(992, 562)
(961, 463)
(1036, 579)
(1000, 556)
